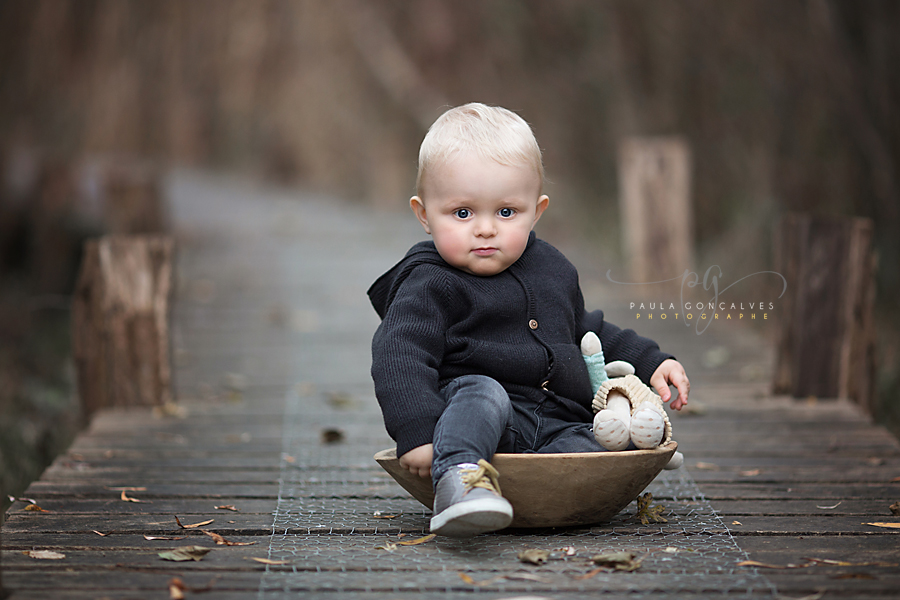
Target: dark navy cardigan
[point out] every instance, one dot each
(522, 327)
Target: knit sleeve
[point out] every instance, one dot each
(407, 351)
(625, 344)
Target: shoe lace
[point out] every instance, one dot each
(485, 476)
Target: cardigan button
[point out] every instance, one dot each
(533, 324)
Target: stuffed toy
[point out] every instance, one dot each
(628, 414)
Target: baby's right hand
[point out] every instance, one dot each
(418, 460)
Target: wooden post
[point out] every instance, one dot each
(120, 312)
(655, 207)
(826, 345)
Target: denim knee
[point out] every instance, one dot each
(487, 395)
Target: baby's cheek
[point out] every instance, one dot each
(451, 249)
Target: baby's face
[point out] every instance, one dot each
(479, 212)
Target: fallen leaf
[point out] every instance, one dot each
(170, 409)
(646, 513)
(817, 596)
(829, 507)
(176, 589)
(230, 507)
(332, 436)
(129, 499)
(620, 561)
(341, 400)
(895, 508)
(761, 565)
(844, 563)
(101, 534)
(269, 561)
(288, 458)
(418, 541)
(193, 526)
(220, 541)
(751, 473)
(534, 556)
(162, 537)
(888, 525)
(466, 578)
(518, 577)
(389, 546)
(379, 515)
(35, 508)
(568, 550)
(736, 523)
(590, 573)
(705, 466)
(45, 554)
(185, 553)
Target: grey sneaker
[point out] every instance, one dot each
(467, 502)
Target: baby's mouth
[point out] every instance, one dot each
(485, 251)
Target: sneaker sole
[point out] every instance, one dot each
(466, 519)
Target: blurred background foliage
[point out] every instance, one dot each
(787, 106)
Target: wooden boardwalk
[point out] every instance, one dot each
(279, 424)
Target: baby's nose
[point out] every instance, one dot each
(485, 227)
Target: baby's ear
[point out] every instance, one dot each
(418, 208)
(542, 204)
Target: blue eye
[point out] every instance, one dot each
(506, 212)
(462, 213)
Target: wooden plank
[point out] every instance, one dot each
(114, 581)
(866, 507)
(151, 524)
(42, 489)
(180, 506)
(783, 550)
(116, 542)
(230, 558)
(793, 475)
(829, 493)
(809, 525)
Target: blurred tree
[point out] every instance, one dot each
(788, 106)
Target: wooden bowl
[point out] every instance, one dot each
(557, 490)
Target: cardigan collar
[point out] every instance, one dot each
(382, 292)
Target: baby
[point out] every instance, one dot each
(478, 348)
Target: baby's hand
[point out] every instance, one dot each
(671, 372)
(418, 460)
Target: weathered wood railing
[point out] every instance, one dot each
(120, 330)
(826, 345)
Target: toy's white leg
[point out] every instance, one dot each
(610, 430)
(617, 402)
(675, 462)
(647, 427)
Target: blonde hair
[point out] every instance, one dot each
(491, 132)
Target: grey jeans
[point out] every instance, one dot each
(480, 420)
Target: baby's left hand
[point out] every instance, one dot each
(671, 372)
